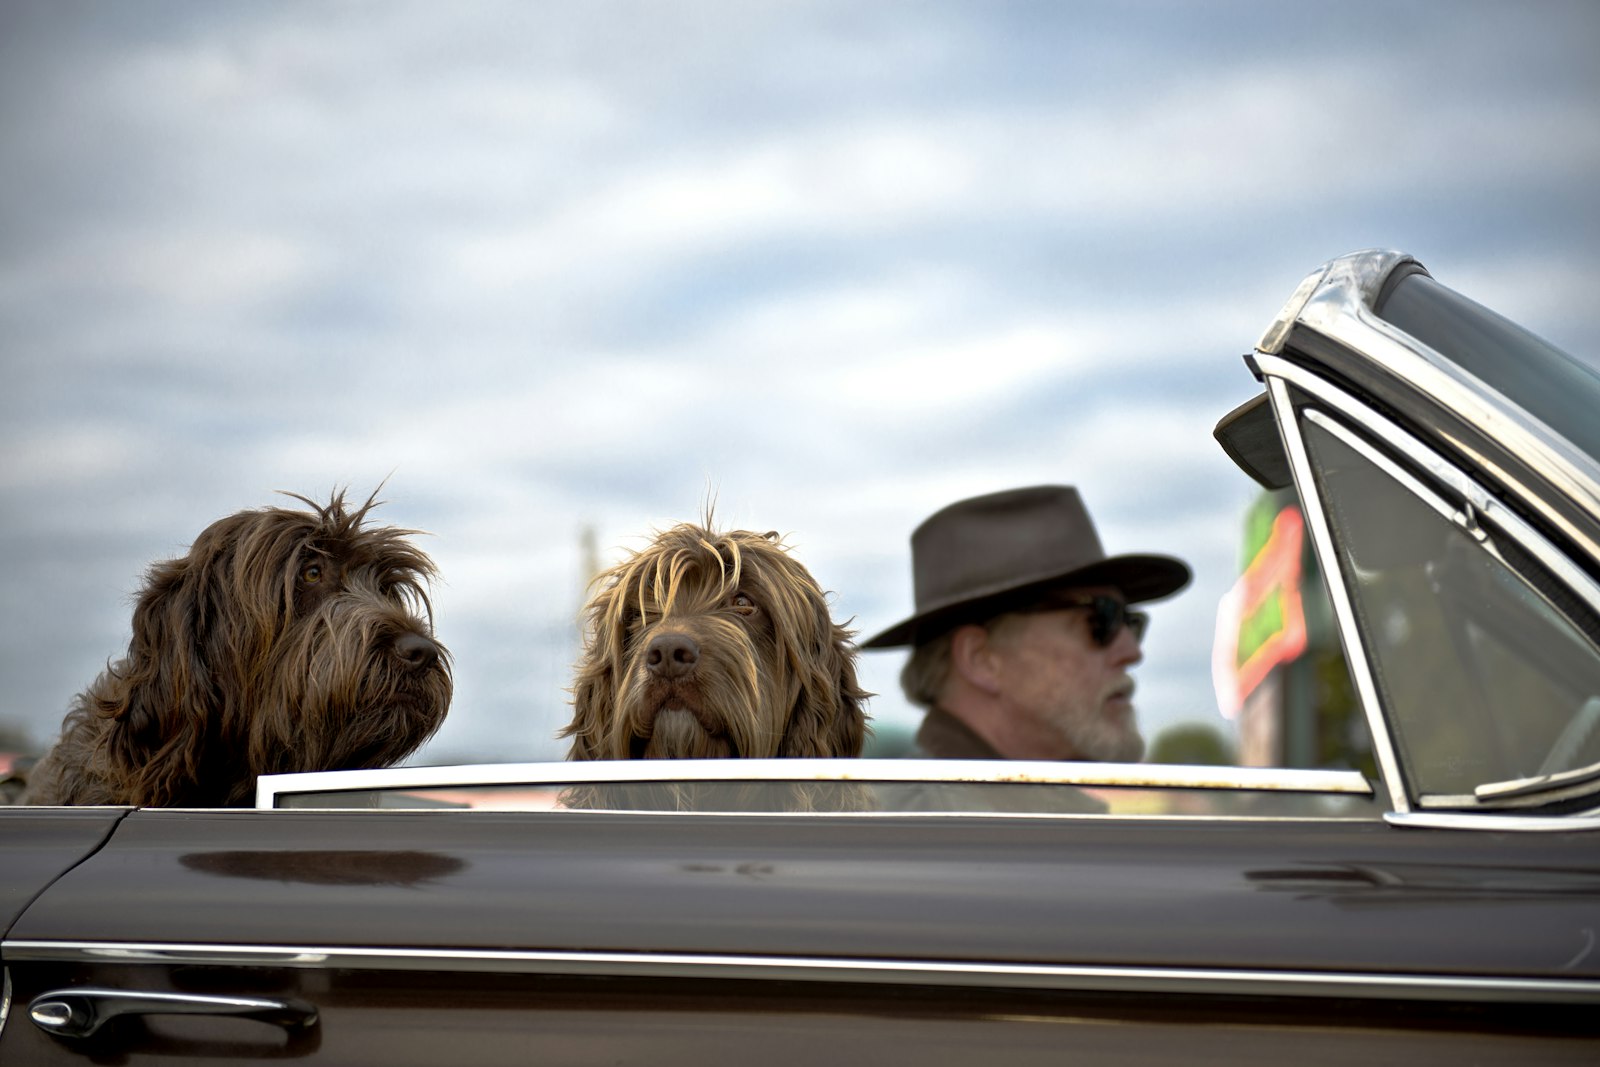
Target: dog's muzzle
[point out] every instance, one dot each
(672, 655)
(417, 651)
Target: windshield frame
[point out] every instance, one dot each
(1330, 324)
(1297, 393)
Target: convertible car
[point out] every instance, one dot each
(1440, 905)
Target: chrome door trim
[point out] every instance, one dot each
(1031, 772)
(1497, 821)
(1176, 980)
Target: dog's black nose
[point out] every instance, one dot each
(416, 650)
(672, 655)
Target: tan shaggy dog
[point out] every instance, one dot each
(283, 641)
(710, 645)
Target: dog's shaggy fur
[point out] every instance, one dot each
(283, 641)
(709, 645)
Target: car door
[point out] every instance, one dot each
(40, 844)
(613, 937)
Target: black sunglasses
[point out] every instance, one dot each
(1107, 616)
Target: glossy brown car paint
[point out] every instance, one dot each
(41, 844)
(1152, 898)
(1317, 896)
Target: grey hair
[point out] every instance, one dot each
(926, 672)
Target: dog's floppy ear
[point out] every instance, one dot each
(155, 699)
(166, 701)
(594, 695)
(828, 718)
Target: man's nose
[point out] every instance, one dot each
(1126, 649)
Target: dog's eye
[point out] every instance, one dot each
(311, 573)
(743, 604)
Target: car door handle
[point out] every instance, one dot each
(79, 1012)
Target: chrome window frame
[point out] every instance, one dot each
(1456, 481)
(1350, 635)
(1025, 772)
(1453, 494)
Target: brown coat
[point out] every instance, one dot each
(943, 736)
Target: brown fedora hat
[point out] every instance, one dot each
(981, 556)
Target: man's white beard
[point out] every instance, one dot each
(1106, 739)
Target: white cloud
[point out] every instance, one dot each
(39, 458)
(550, 268)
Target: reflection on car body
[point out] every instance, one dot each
(1444, 907)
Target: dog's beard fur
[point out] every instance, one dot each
(732, 704)
(283, 641)
(772, 674)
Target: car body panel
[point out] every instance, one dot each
(43, 843)
(1315, 896)
(816, 936)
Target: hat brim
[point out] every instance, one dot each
(1140, 578)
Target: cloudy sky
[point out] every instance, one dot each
(565, 269)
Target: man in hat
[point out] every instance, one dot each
(1022, 638)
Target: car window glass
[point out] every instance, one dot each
(1278, 668)
(1483, 679)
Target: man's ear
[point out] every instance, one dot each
(972, 656)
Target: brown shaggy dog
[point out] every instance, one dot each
(283, 641)
(709, 645)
